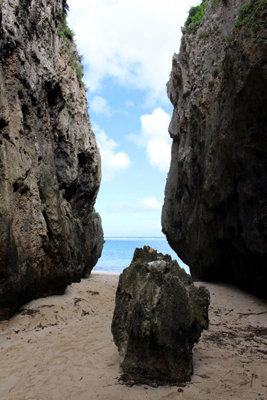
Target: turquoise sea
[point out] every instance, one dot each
(118, 252)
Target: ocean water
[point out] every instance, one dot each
(118, 253)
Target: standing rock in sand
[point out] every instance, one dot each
(49, 162)
(215, 208)
(158, 317)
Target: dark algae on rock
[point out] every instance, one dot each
(49, 162)
(159, 315)
(215, 209)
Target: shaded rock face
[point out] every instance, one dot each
(215, 209)
(49, 161)
(159, 315)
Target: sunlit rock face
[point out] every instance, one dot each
(215, 208)
(159, 315)
(49, 162)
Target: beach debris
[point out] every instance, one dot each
(77, 300)
(93, 292)
(159, 315)
(29, 311)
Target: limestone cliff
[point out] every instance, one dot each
(215, 209)
(49, 162)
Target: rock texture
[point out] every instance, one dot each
(215, 209)
(158, 317)
(49, 161)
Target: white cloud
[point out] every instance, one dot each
(99, 105)
(155, 125)
(154, 136)
(112, 161)
(150, 203)
(159, 154)
(131, 41)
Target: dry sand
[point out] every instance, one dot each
(60, 347)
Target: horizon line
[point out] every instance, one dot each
(134, 237)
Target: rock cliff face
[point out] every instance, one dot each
(215, 209)
(49, 161)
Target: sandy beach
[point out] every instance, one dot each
(61, 347)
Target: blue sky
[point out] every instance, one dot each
(127, 48)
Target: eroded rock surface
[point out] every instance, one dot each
(159, 315)
(49, 161)
(215, 208)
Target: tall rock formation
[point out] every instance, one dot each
(215, 209)
(159, 316)
(49, 161)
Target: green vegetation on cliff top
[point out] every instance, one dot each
(65, 7)
(67, 35)
(64, 31)
(249, 15)
(246, 15)
(248, 11)
(195, 17)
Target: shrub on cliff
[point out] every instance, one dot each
(65, 7)
(195, 17)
